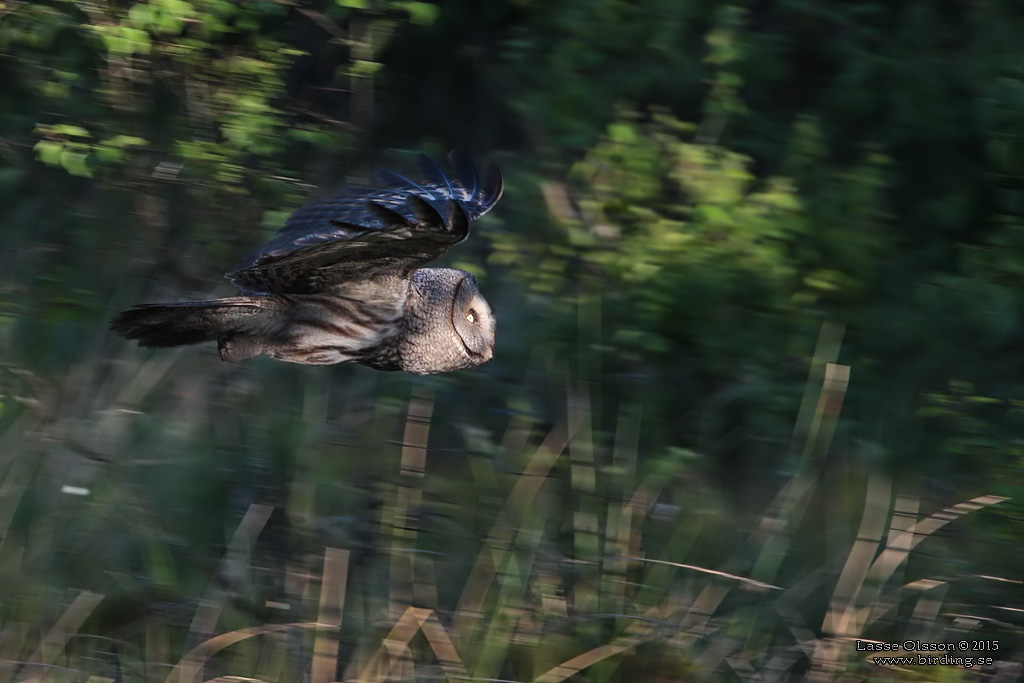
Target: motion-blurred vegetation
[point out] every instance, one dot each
(759, 276)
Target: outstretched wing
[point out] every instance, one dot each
(377, 233)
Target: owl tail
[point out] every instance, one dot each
(237, 323)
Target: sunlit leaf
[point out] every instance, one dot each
(141, 15)
(423, 13)
(49, 152)
(75, 163)
(71, 130)
(126, 141)
(365, 67)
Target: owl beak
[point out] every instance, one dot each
(489, 351)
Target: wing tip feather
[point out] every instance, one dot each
(493, 186)
(313, 239)
(464, 172)
(431, 172)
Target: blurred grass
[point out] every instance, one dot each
(351, 550)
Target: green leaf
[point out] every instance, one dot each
(75, 164)
(221, 8)
(55, 90)
(49, 152)
(274, 219)
(422, 13)
(127, 41)
(141, 15)
(112, 151)
(115, 44)
(109, 155)
(354, 4)
(178, 8)
(365, 67)
(316, 137)
(71, 130)
(169, 23)
(623, 133)
(126, 141)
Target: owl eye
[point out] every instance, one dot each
(471, 317)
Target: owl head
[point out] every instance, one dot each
(449, 324)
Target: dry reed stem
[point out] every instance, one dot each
(490, 559)
(187, 669)
(57, 638)
(873, 523)
(233, 565)
(627, 641)
(403, 522)
(393, 660)
(864, 576)
(892, 557)
(623, 535)
(332, 605)
(703, 570)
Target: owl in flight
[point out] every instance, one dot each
(344, 282)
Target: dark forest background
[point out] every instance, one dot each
(758, 391)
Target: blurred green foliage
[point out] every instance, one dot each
(706, 205)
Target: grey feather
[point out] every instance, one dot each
(343, 282)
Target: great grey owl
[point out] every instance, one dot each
(343, 282)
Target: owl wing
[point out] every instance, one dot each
(387, 232)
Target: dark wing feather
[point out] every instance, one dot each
(377, 233)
